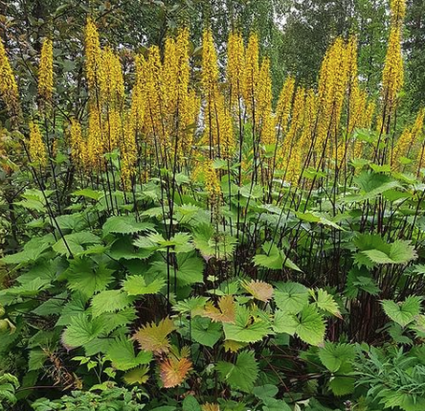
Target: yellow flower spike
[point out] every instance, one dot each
(297, 118)
(128, 150)
(408, 138)
(398, 12)
(170, 74)
(224, 128)
(78, 147)
(393, 74)
(111, 79)
(291, 158)
(212, 183)
(37, 149)
(186, 104)
(334, 76)
(402, 146)
(251, 71)
(357, 98)
(138, 95)
(8, 86)
(93, 54)
(367, 118)
(284, 104)
(45, 71)
(263, 92)
(209, 75)
(112, 129)
(154, 88)
(417, 128)
(310, 113)
(95, 145)
(235, 65)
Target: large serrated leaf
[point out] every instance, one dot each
(110, 301)
(311, 326)
(405, 312)
(241, 375)
(82, 330)
(121, 354)
(291, 297)
(125, 225)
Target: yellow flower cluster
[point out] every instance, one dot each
(218, 131)
(398, 12)
(264, 117)
(45, 71)
(93, 54)
(37, 149)
(209, 75)
(393, 74)
(77, 144)
(95, 145)
(212, 183)
(408, 139)
(251, 71)
(337, 72)
(284, 104)
(235, 66)
(8, 85)
(111, 78)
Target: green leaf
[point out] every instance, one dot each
(405, 401)
(121, 353)
(85, 277)
(273, 259)
(190, 403)
(265, 391)
(291, 297)
(29, 289)
(119, 319)
(333, 356)
(110, 301)
(136, 285)
(137, 375)
(342, 385)
(241, 375)
(212, 244)
(246, 328)
(190, 269)
(311, 327)
(32, 250)
(205, 332)
(193, 306)
(89, 193)
(123, 248)
(285, 322)
(125, 225)
(272, 404)
(82, 330)
(405, 312)
(53, 306)
(326, 302)
(74, 243)
(399, 252)
(72, 222)
(37, 358)
(373, 184)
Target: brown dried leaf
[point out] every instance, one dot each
(260, 290)
(152, 337)
(225, 313)
(174, 371)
